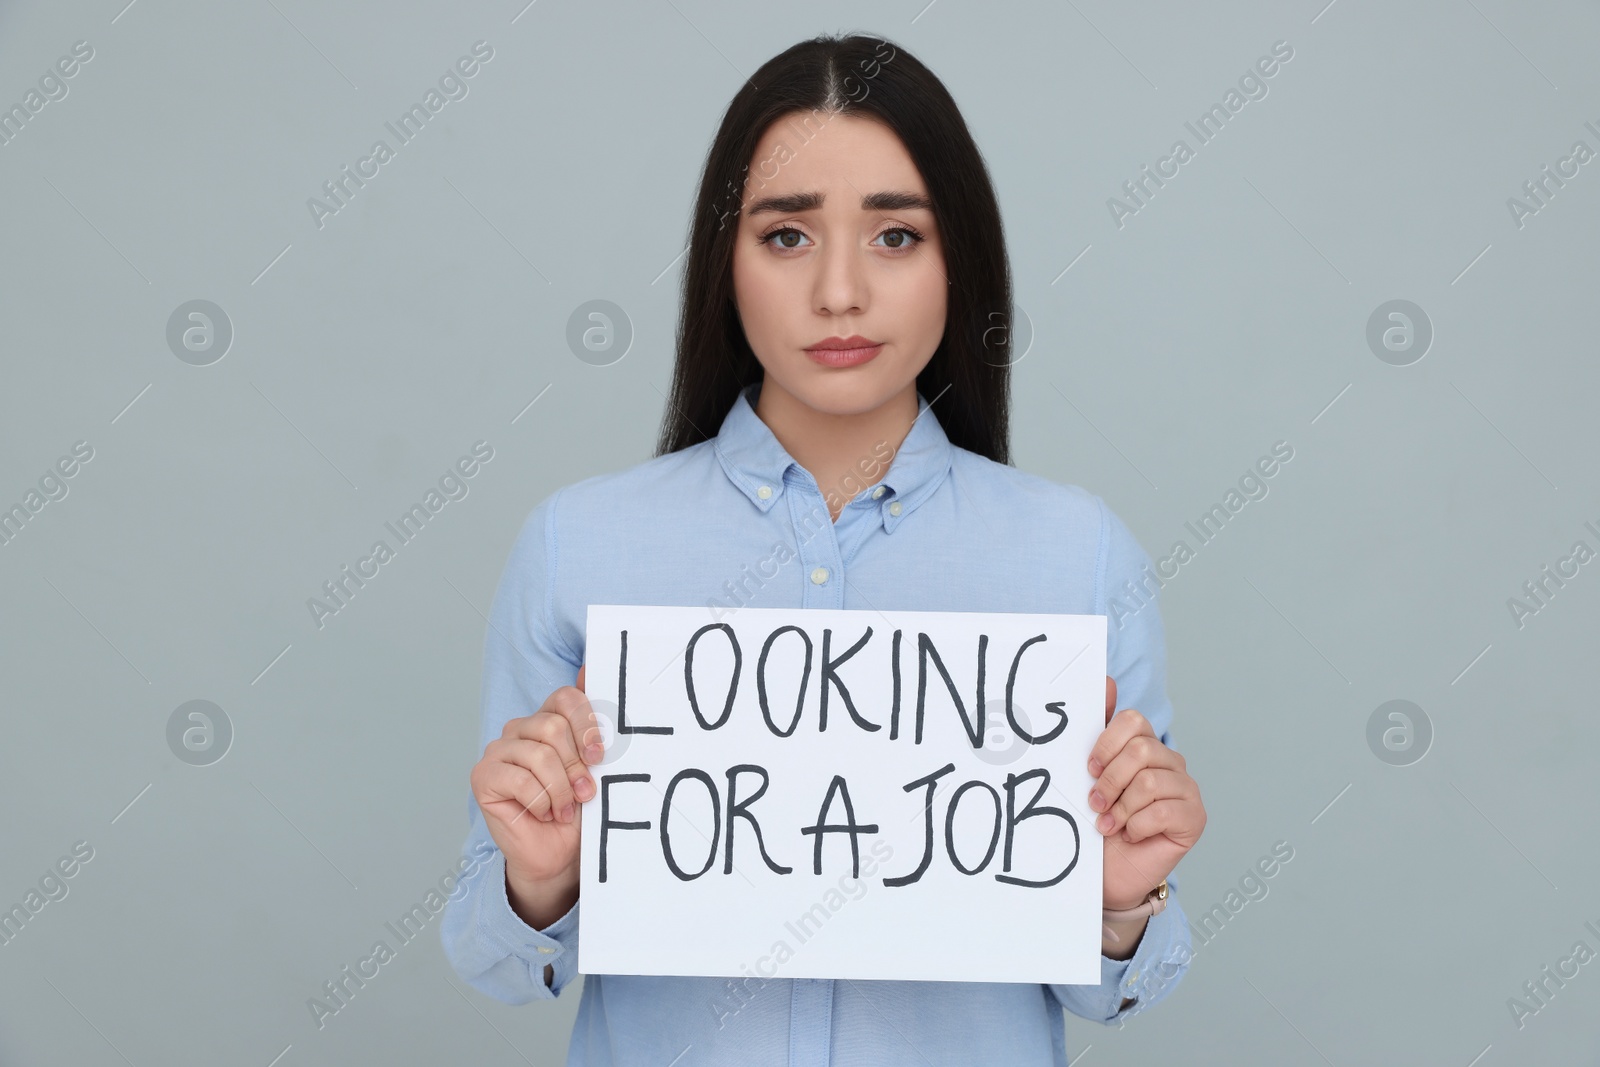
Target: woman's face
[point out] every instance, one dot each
(813, 262)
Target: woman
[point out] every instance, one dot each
(836, 437)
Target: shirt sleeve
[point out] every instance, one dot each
(525, 659)
(1127, 590)
(1145, 978)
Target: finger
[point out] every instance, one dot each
(496, 783)
(1125, 725)
(556, 731)
(545, 763)
(571, 704)
(1148, 785)
(1111, 697)
(1176, 818)
(552, 774)
(1140, 752)
(510, 752)
(581, 669)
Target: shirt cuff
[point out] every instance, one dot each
(1160, 960)
(555, 946)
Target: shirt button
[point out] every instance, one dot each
(876, 493)
(894, 509)
(819, 575)
(546, 949)
(764, 492)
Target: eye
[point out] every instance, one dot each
(781, 242)
(905, 238)
(909, 241)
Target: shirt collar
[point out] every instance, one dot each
(759, 465)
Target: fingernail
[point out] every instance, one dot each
(1095, 767)
(584, 788)
(1104, 822)
(594, 753)
(1096, 801)
(566, 813)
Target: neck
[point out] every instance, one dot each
(844, 453)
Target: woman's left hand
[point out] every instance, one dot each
(1153, 805)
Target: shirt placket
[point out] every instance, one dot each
(822, 586)
(822, 568)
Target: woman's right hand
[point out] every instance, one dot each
(529, 785)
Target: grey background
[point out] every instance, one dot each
(369, 354)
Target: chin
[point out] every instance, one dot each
(847, 392)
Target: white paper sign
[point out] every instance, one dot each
(821, 793)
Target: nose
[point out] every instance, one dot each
(841, 280)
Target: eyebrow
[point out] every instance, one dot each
(795, 203)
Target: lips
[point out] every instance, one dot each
(844, 351)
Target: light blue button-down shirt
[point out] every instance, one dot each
(734, 521)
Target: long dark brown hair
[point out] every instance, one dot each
(967, 381)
